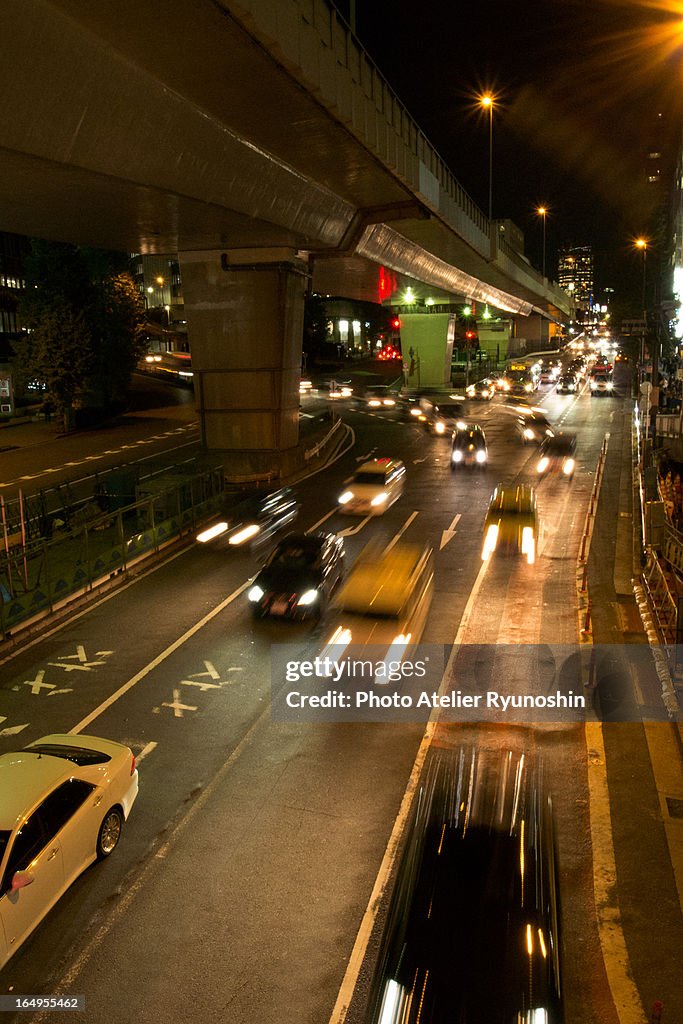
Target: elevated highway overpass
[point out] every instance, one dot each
(258, 141)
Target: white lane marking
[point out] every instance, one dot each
(13, 729)
(145, 751)
(202, 686)
(179, 709)
(37, 684)
(357, 957)
(448, 534)
(397, 537)
(321, 521)
(134, 680)
(351, 530)
(615, 952)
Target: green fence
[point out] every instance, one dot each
(37, 579)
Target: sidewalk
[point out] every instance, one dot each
(644, 761)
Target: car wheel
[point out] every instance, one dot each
(110, 832)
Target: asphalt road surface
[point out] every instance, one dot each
(247, 865)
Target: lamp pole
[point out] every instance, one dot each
(542, 212)
(487, 102)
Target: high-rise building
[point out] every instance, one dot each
(575, 274)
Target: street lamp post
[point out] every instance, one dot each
(542, 212)
(487, 102)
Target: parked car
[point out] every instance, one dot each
(511, 523)
(472, 930)
(375, 486)
(299, 576)
(254, 520)
(63, 802)
(557, 455)
(468, 447)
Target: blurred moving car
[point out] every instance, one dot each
(511, 523)
(601, 383)
(380, 398)
(481, 390)
(550, 370)
(253, 521)
(567, 384)
(299, 576)
(472, 928)
(556, 455)
(532, 426)
(384, 601)
(442, 415)
(375, 486)
(468, 447)
(63, 802)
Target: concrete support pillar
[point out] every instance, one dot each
(427, 347)
(531, 334)
(245, 310)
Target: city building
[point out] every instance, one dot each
(575, 274)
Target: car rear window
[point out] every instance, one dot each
(79, 755)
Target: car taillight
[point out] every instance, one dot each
(132, 765)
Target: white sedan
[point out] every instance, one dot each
(63, 802)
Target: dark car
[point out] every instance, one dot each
(482, 390)
(533, 427)
(442, 414)
(253, 520)
(468, 447)
(299, 576)
(557, 455)
(567, 384)
(472, 928)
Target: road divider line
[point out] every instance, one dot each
(134, 680)
(396, 538)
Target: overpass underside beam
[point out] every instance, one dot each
(245, 313)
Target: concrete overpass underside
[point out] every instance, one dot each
(203, 140)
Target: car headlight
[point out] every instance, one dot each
(213, 531)
(461, 424)
(528, 434)
(374, 403)
(416, 412)
(245, 534)
(528, 387)
(485, 392)
(255, 594)
(609, 385)
(593, 385)
(490, 541)
(568, 466)
(542, 464)
(456, 455)
(389, 401)
(528, 544)
(440, 427)
(345, 497)
(480, 456)
(309, 597)
(379, 499)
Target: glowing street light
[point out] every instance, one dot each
(487, 102)
(542, 211)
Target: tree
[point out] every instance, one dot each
(83, 317)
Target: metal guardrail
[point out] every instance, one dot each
(38, 578)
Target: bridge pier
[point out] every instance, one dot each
(245, 310)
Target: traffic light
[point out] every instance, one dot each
(470, 335)
(395, 323)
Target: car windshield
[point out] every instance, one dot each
(469, 437)
(293, 554)
(560, 446)
(4, 840)
(369, 477)
(79, 755)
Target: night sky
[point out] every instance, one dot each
(580, 85)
